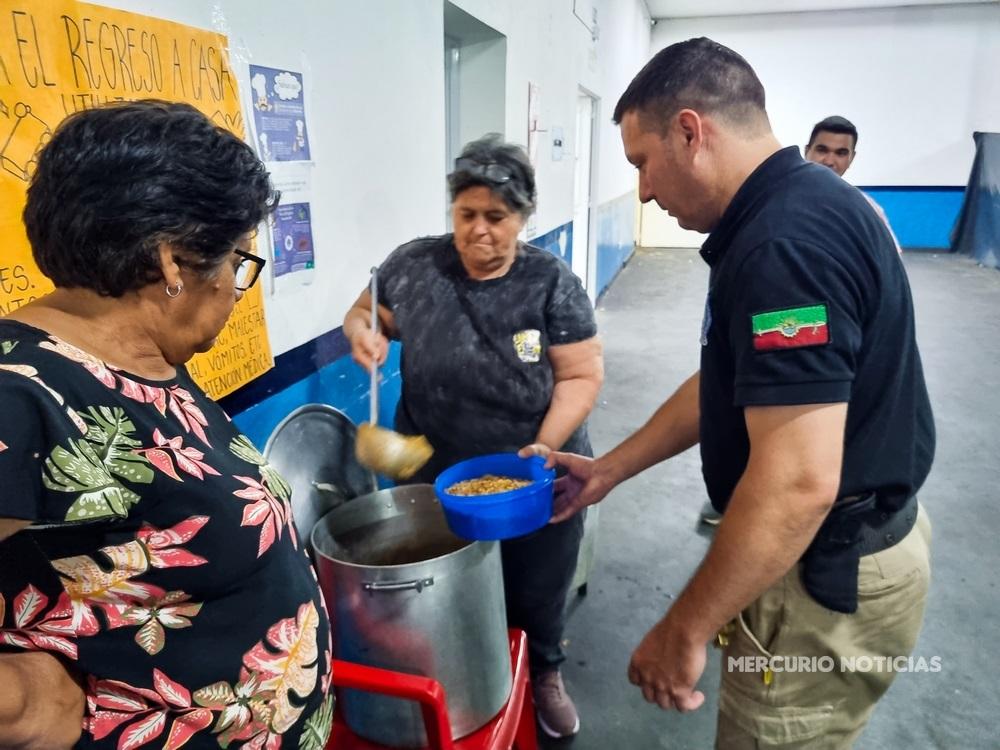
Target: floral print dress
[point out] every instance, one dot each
(162, 561)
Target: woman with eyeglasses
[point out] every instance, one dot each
(499, 351)
(152, 588)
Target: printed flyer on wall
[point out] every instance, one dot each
(291, 229)
(290, 240)
(281, 138)
(279, 114)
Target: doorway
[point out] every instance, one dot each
(475, 81)
(584, 259)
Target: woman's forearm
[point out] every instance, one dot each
(13, 700)
(41, 704)
(572, 401)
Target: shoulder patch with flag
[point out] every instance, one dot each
(790, 328)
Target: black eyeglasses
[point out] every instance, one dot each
(248, 270)
(490, 170)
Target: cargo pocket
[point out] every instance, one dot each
(778, 726)
(757, 704)
(750, 639)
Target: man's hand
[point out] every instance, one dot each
(667, 666)
(585, 483)
(368, 347)
(41, 702)
(567, 489)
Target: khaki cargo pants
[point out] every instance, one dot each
(825, 709)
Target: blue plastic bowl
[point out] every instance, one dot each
(502, 515)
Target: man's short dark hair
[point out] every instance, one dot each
(698, 74)
(116, 181)
(502, 167)
(834, 124)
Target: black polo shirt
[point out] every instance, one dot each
(809, 303)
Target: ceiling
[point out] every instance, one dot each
(702, 8)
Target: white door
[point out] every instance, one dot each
(583, 154)
(452, 109)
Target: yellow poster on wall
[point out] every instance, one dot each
(58, 57)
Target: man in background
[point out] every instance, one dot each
(833, 144)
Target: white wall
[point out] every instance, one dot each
(916, 81)
(657, 228)
(375, 103)
(625, 48)
(549, 46)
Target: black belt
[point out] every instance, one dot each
(857, 526)
(882, 530)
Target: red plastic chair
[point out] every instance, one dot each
(512, 728)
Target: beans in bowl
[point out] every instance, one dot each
(489, 484)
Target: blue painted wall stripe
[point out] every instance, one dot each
(340, 383)
(289, 368)
(920, 216)
(615, 238)
(558, 241)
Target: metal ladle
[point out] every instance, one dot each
(386, 451)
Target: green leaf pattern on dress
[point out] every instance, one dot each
(316, 730)
(93, 465)
(242, 447)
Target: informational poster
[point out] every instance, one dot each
(61, 56)
(291, 229)
(281, 137)
(279, 114)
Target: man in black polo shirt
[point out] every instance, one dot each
(811, 411)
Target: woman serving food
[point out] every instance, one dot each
(499, 350)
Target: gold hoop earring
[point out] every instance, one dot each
(175, 292)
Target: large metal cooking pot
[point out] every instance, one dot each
(313, 449)
(406, 594)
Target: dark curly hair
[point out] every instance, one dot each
(116, 181)
(502, 167)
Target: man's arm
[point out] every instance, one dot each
(672, 429)
(578, 371)
(790, 484)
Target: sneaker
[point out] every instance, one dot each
(556, 712)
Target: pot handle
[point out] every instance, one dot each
(419, 584)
